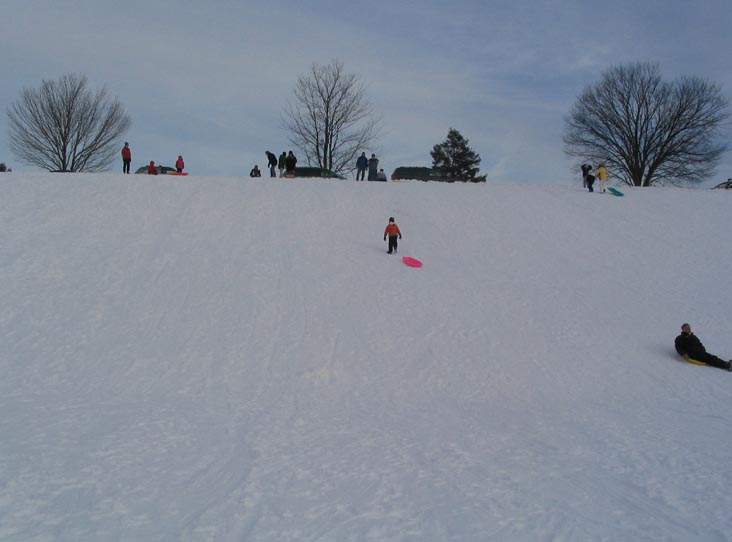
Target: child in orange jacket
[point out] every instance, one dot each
(392, 230)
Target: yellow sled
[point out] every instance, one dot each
(694, 361)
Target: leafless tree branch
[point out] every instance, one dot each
(330, 119)
(647, 130)
(64, 126)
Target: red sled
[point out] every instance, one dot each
(411, 262)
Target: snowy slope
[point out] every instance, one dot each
(221, 359)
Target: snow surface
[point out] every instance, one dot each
(224, 359)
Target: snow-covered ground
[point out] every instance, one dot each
(222, 359)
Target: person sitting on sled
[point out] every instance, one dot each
(689, 346)
(392, 231)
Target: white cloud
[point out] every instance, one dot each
(213, 76)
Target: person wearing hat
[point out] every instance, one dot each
(392, 231)
(126, 158)
(689, 347)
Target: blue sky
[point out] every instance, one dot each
(209, 80)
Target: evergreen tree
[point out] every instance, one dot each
(456, 160)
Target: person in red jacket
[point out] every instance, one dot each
(151, 169)
(179, 164)
(392, 231)
(126, 158)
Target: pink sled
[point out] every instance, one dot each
(411, 262)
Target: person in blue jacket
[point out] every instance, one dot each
(361, 164)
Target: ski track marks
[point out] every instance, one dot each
(224, 359)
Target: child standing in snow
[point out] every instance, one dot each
(392, 231)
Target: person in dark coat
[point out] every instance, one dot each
(281, 163)
(272, 163)
(361, 164)
(255, 172)
(373, 167)
(290, 163)
(688, 346)
(586, 168)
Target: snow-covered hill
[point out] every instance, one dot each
(221, 359)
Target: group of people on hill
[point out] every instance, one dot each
(687, 344)
(372, 164)
(285, 163)
(152, 169)
(588, 179)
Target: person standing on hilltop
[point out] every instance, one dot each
(602, 174)
(272, 163)
(281, 163)
(586, 168)
(126, 158)
(361, 164)
(290, 163)
(373, 167)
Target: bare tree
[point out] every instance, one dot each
(647, 130)
(64, 126)
(330, 119)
